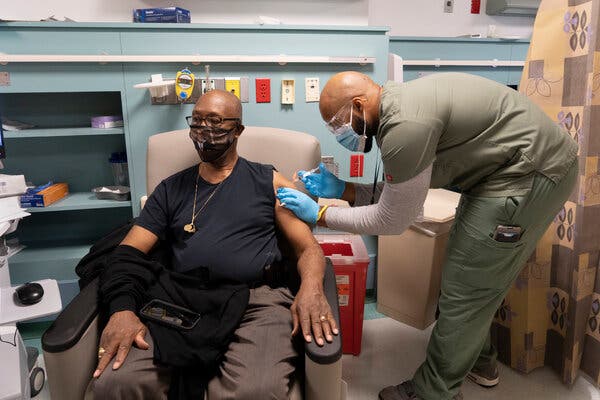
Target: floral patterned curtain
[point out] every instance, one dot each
(551, 315)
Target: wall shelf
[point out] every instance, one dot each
(53, 132)
(80, 201)
(281, 59)
(45, 259)
(464, 63)
(35, 254)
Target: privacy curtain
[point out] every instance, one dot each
(551, 315)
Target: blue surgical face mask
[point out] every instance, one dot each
(347, 137)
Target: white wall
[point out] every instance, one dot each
(405, 17)
(427, 18)
(302, 12)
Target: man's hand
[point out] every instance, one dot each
(324, 184)
(123, 329)
(299, 203)
(311, 311)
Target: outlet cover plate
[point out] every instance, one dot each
(312, 90)
(287, 91)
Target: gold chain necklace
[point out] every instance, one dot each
(191, 228)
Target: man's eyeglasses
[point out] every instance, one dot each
(211, 120)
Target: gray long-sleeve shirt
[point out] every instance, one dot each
(398, 206)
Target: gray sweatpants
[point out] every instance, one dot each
(259, 363)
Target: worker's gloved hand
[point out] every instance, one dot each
(299, 203)
(323, 184)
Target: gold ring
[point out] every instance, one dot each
(323, 318)
(101, 352)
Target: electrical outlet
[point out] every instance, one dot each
(263, 90)
(448, 6)
(312, 89)
(205, 89)
(357, 162)
(233, 85)
(287, 91)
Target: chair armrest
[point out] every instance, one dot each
(330, 352)
(70, 325)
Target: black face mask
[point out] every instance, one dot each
(212, 143)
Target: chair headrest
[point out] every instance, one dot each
(286, 150)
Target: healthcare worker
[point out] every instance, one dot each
(514, 166)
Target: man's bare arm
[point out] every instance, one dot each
(310, 310)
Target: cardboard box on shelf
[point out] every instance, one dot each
(164, 14)
(43, 196)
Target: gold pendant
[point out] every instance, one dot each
(190, 228)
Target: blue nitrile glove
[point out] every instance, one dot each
(299, 203)
(323, 184)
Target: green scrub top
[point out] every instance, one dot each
(482, 137)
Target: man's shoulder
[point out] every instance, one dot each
(256, 166)
(178, 177)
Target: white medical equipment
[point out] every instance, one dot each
(184, 84)
(20, 376)
(159, 88)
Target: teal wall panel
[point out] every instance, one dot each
(62, 77)
(431, 48)
(46, 40)
(519, 50)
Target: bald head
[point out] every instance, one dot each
(342, 88)
(219, 102)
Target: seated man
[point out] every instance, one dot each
(221, 214)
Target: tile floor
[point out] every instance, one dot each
(392, 351)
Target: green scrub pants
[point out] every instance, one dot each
(477, 275)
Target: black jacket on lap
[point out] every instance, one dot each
(130, 279)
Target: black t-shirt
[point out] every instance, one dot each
(235, 232)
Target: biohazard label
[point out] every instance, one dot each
(343, 286)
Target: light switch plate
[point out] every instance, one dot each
(205, 88)
(244, 89)
(448, 6)
(287, 91)
(312, 90)
(4, 79)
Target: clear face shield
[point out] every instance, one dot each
(341, 126)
